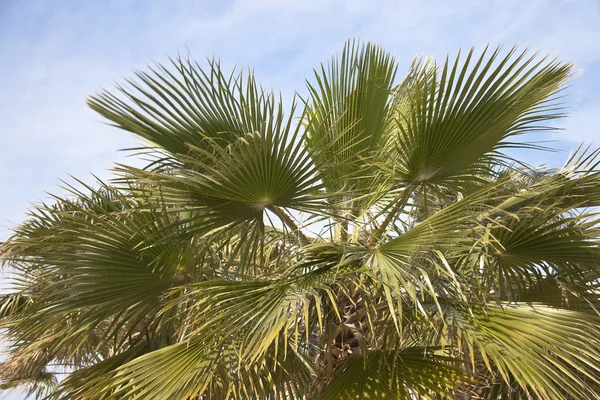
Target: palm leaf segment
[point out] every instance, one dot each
(442, 268)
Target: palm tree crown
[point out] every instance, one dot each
(373, 240)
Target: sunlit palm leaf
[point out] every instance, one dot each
(464, 113)
(550, 353)
(188, 106)
(348, 119)
(403, 374)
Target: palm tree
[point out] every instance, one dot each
(374, 240)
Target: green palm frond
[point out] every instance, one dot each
(550, 353)
(91, 271)
(187, 105)
(348, 112)
(460, 116)
(233, 152)
(347, 123)
(405, 374)
(12, 304)
(540, 246)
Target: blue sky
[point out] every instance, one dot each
(55, 53)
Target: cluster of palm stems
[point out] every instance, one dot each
(372, 240)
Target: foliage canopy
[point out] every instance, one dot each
(373, 240)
